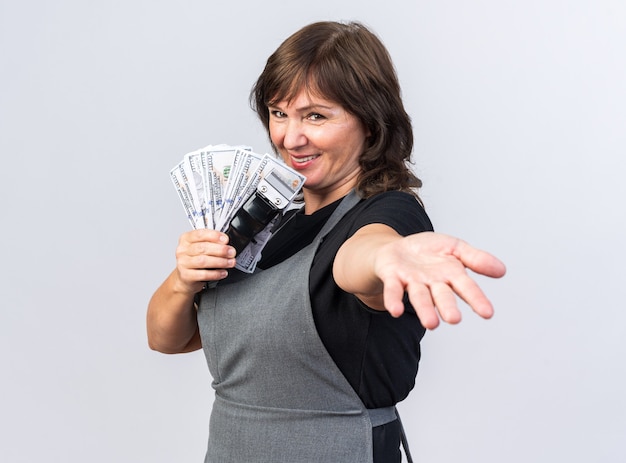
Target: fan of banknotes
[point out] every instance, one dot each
(236, 191)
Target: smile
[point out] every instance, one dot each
(304, 159)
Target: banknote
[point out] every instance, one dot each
(192, 172)
(183, 193)
(215, 182)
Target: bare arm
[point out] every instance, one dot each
(378, 266)
(201, 256)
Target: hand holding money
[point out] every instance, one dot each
(238, 192)
(202, 255)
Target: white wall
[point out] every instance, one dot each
(520, 129)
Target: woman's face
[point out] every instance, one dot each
(321, 140)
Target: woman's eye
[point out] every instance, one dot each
(315, 117)
(278, 114)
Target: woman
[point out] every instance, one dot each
(310, 354)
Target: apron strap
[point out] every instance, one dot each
(380, 416)
(403, 439)
(347, 203)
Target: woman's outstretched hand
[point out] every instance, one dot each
(379, 266)
(432, 268)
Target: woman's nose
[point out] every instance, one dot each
(294, 135)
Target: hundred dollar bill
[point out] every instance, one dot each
(187, 182)
(219, 162)
(192, 168)
(215, 163)
(182, 190)
(231, 186)
(207, 181)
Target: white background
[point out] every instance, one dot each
(520, 124)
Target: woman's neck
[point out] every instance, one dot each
(315, 200)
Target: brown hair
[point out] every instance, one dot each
(348, 64)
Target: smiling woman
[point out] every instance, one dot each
(348, 65)
(323, 141)
(310, 354)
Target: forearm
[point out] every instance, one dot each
(202, 255)
(354, 266)
(171, 319)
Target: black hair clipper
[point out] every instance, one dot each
(273, 194)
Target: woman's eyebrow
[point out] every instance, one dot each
(308, 107)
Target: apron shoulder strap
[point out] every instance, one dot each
(347, 203)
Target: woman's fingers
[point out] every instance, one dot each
(203, 255)
(432, 269)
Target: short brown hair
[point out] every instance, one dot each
(348, 64)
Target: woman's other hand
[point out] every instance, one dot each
(201, 256)
(379, 266)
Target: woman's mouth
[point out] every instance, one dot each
(302, 160)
